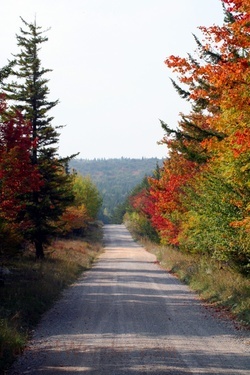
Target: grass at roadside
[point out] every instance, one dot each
(30, 288)
(222, 288)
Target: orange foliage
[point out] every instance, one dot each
(217, 86)
(167, 194)
(74, 218)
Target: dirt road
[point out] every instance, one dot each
(128, 316)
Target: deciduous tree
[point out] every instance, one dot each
(29, 95)
(87, 194)
(214, 202)
(18, 176)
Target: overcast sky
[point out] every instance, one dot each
(107, 58)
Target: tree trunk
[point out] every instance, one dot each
(39, 249)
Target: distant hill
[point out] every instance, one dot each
(115, 178)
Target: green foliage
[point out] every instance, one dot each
(215, 207)
(203, 207)
(114, 179)
(216, 282)
(11, 343)
(6, 71)
(87, 194)
(119, 212)
(29, 94)
(32, 286)
(10, 239)
(140, 226)
(137, 217)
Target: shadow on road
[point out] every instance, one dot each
(129, 317)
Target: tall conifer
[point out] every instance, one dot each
(28, 92)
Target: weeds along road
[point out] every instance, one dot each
(128, 316)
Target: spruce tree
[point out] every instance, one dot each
(6, 70)
(28, 92)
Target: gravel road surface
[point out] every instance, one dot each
(128, 316)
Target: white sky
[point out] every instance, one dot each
(108, 67)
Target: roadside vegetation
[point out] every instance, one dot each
(198, 201)
(48, 230)
(29, 287)
(196, 206)
(224, 289)
(114, 178)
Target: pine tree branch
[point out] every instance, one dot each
(183, 94)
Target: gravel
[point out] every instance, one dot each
(128, 316)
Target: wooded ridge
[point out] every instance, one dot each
(115, 178)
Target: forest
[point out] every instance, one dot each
(115, 180)
(47, 236)
(39, 198)
(194, 202)
(199, 201)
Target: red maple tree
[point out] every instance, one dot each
(18, 177)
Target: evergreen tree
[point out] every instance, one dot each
(28, 92)
(195, 128)
(6, 70)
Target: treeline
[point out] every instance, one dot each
(39, 198)
(115, 179)
(199, 200)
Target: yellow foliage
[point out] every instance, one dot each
(74, 218)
